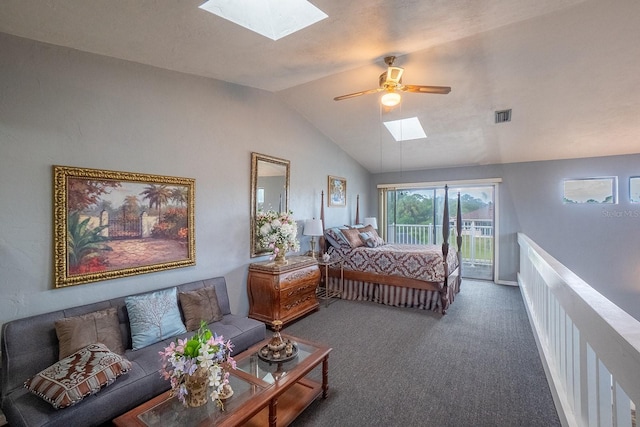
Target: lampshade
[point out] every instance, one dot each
(390, 99)
(372, 221)
(313, 227)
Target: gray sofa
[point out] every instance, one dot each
(30, 345)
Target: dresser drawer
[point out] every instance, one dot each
(283, 292)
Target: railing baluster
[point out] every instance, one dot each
(591, 355)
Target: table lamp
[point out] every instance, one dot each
(372, 221)
(313, 228)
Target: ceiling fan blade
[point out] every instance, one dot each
(443, 90)
(353, 95)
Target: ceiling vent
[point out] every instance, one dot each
(503, 116)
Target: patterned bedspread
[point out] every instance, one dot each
(423, 262)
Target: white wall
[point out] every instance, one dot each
(65, 107)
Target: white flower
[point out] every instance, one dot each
(265, 229)
(277, 230)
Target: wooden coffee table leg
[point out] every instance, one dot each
(325, 377)
(273, 412)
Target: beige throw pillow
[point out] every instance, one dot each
(353, 237)
(201, 304)
(78, 332)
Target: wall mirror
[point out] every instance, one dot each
(269, 191)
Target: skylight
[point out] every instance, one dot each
(406, 129)
(271, 18)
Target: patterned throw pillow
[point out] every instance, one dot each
(353, 236)
(335, 237)
(153, 317)
(85, 372)
(370, 239)
(77, 332)
(201, 304)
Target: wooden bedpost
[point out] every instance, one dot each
(459, 240)
(321, 242)
(444, 292)
(357, 210)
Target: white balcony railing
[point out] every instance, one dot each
(477, 241)
(589, 346)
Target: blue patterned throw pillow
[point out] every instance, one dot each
(153, 317)
(371, 239)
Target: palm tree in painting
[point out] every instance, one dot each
(179, 195)
(157, 195)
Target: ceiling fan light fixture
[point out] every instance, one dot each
(390, 99)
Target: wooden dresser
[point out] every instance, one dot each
(283, 292)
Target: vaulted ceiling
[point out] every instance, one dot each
(568, 69)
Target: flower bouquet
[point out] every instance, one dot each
(277, 231)
(191, 364)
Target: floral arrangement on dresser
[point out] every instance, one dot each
(192, 364)
(277, 231)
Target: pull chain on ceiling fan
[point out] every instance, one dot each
(390, 82)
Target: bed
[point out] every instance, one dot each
(421, 276)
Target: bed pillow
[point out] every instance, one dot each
(369, 228)
(84, 372)
(201, 304)
(335, 237)
(77, 332)
(370, 239)
(154, 317)
(353, 237)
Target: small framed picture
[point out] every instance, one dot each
(337, 191)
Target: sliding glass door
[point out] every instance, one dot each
(414, 216)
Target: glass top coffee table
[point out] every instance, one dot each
(264, 393)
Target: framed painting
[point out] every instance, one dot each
(110, 224)
(591, 190)
(337, 191)
(634, 189)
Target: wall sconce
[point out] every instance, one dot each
(313, 228)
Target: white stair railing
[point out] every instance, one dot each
(590, 348)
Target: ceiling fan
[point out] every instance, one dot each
(391, 82)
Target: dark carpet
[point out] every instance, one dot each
(476, 366)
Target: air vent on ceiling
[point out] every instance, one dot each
(503, 116)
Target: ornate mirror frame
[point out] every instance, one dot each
(270, 181)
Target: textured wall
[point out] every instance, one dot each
(61, 106)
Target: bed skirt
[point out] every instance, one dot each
(397, 296)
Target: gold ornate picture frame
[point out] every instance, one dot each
(337, 190)
(110, 224)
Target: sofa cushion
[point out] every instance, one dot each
(200, 305)
(84, 372)
(77, 332)
(153, 317)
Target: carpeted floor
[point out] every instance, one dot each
(476, 366)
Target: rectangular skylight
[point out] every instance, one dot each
(406, 129)
(271, 18)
